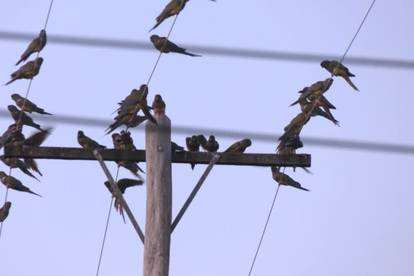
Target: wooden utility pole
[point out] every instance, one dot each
(159, 197)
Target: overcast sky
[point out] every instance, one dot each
(357, 219)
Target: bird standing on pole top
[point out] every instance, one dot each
(158, 105)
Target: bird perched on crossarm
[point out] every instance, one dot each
(239, 146)
(88, 143)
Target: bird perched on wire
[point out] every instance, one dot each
(158, 105)
(88, 143)
(36, 45)
(284, 179)
(4, 211)
(193, 145)
(14, 184)
(210, 145)
(312, 108)
(164, 45)
(289, 145)
(122, 184)
(22, 118)
(27, 105)
(239, 146)
(338, 69)
(295, 126)
(27, 71)
(16, 163)
(174, 7)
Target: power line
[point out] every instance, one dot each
(123, 44)
(262, 137)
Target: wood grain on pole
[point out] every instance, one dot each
(245, 159)
(159, 197)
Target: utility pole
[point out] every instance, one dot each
(159, 196)
(158, 158)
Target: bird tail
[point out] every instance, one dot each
(193, 166)
(26, 171)
(155, 26)
(190, 54)
(29, 191)
(301, 188)
(10, 81)
(20, 60)
(112, 127)
(348, 80)
(42, 111)
(295, 102)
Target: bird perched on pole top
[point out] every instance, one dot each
(14, 184)
(338, 69)
(27, 105)
(88, 143)
(174, 7)
(27, 71)
(4, 211)
(36, 45)
(158, 105)
(239, 146)
(164, 45)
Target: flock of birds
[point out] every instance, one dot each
(311, 100)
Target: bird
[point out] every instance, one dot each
(239, 146)
(37, 138)
(4, 211)
(88, 143)
(284, 179)
(12, 133)
(32, 164)
(164, 45)
(175, 147)
(338, 69)
(15, 184)
(174, 7)
(22, 118)
(313, 109)
(16, 163)
(130, 166)
(27, 105)
(122, 184)
(290, 145)
(129, 120)
(193, 145)
(36, 45)
(27, 71)
(158, 105)
(124, 141)
(210, 145)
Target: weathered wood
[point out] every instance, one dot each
(119, 195)
(159, 197)
(214, 159)
(246, 159)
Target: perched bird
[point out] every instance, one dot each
(88, 143)
(313, 109)
(164, 45)
(158, 105)
(130, 166)
(124, 141)
(13, 183)
(284, 179)
(22, 118)
(32, 164)
(12, 133)
(290, 145)
(16, 163)
(174, 7)
(210, 145)
(338, 69)
(129, 120)
(27, 71)
(193, 144)
(4, 211)
(36, 45)
(175, 147)
(239, 146)
(27, 105)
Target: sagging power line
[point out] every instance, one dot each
(124, 44)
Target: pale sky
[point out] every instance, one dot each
(357, 219)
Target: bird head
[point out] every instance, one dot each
(325, 63)
(201, 139)
(39, 61)
(12, 108)
(211, 138)
(275, 169)
(80, 133)
(2, 174)
(7, 205)
(154, 38)
(16, 96)
(247, 142)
